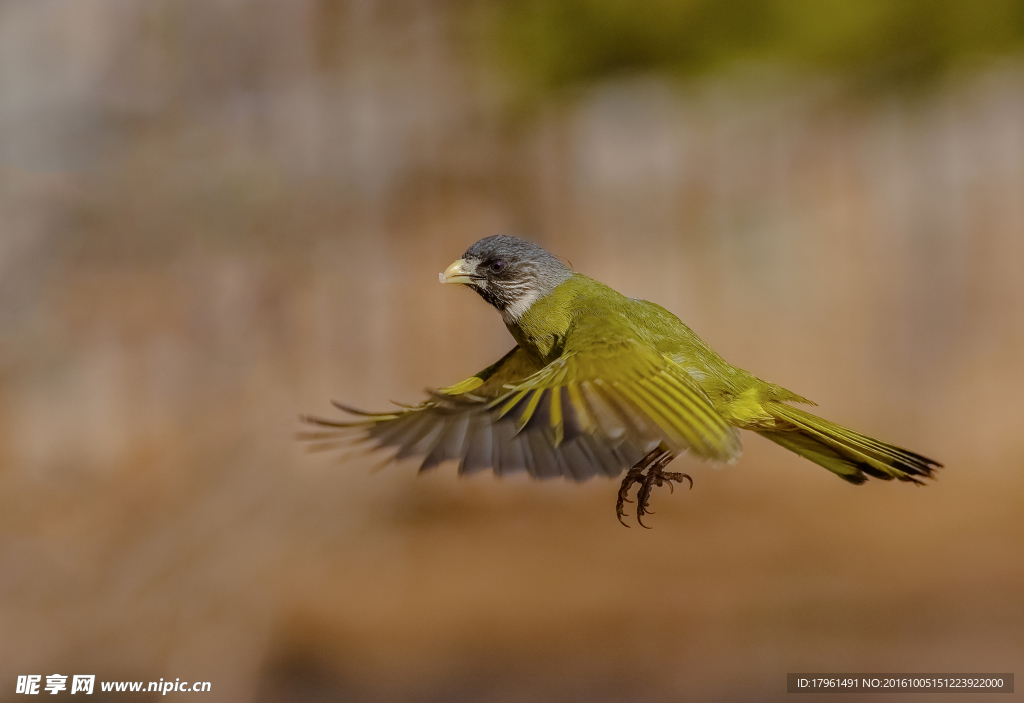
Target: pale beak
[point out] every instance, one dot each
(461, 271)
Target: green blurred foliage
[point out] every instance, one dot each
(554, 44)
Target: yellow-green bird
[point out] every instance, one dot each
(598, 384)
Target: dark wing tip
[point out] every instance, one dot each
(354, 411)
(324, 422)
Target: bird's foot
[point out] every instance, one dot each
(634, 475)
(653, 464)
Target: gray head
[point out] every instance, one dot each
(508, 272)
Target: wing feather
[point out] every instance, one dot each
(591, 411)
(478, 446)
(507, 452)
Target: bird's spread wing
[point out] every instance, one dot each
(595, 411)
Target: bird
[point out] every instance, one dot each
(599, 384)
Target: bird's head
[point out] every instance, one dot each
(508, 272)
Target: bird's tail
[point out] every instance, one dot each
(848, 454)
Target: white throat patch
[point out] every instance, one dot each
(516, 310)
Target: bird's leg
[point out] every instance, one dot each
(654, 464)
(634, 475)
(656, 476)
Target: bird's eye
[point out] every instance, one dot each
(497, 265)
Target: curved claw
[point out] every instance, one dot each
(619, 512)
(649, 473)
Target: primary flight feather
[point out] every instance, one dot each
(599, 383)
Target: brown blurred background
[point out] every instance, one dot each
(215, 216)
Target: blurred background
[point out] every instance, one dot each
(215, 216)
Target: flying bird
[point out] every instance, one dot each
(598, 384)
